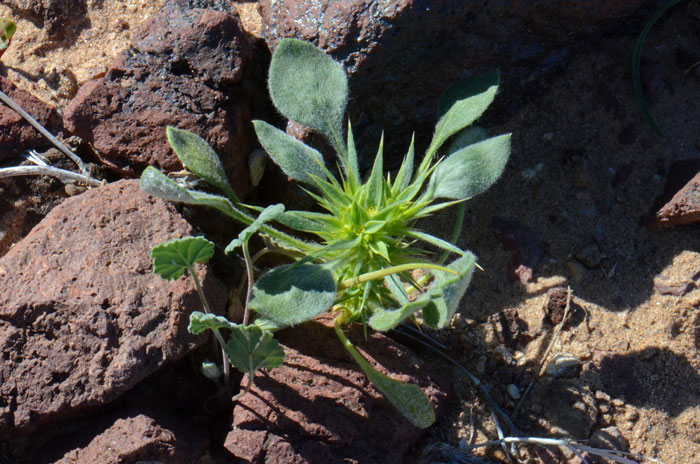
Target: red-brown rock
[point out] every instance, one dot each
(181, 70)
(132, 436)
(319, 407)
(16, 134)
(57, 17)
(82, 316)
(684, 207)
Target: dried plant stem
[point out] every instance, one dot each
(9, 102)
(555, 337)
(61, 174)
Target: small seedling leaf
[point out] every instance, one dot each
(7, 30)
(199, 322)
(375, 183)
(447, 290)
(250, 348)
(289, 295)
(462, 104)
(471, 170)
(308, 87)
(199, 158)
(296, 159)
(403, 178)
(269, 214)
(170, 259)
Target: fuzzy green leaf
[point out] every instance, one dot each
(352, 170)
(199, 158)
(461, 105)
(289, 295)
(199, 322)
(269, 214)
(296, 159)
(387, 320)
(471, 170)
(435, 241)
(250, 348)
(308, 87)
(170, 259)
(158, 184)
(447, 290)
(408, 399)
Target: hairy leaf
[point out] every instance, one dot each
(375, 183)
(170, 259)
(296, 159)
(289, 295)
(308, 87)
(199, 322)
(269, 214)
(447, 290)
(250, 348)
(403, 178)
(387, 320)
(471, 170)
(198, 157)
(461, 105)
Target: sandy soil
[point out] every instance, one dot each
(585, 169)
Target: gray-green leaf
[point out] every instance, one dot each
(296, 159)
(289, 295)
(465, 137)
(471, 170)
(462, 104)
(250, 348)
(199, 322)
(198, 157)
(170, 259)
(269, 214)
(308, 87)
(447, 290)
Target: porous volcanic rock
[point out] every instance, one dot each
(319, 407)
(132, 436)
(16, 134)
(82, 316)
(402, 54)
(684, 207)
(182, 69)
(54, 16)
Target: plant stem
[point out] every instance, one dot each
(9, 102)
(207, 309)
(248, 386)
(380, 274)
(249, 273)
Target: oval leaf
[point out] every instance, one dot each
(462, 104)
(308, 87)
(198, 157)
(170, 259)
(471, 170)
(288, 295)
(250, 348)
(387, 320)
(297, 160)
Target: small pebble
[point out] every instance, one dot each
(513, 391)
(563, 366)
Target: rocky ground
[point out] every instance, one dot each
(575, 209)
